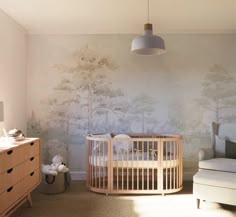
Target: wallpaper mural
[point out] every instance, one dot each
(218, 94)
(90, 83)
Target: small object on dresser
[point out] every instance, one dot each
(16, 134)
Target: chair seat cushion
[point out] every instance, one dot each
(219, 164)
(215, 178)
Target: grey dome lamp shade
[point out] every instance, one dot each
(148, 44)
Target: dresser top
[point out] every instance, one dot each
(5, 145)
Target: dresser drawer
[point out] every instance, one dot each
(33, 163)
(15, 174)
(11, 158)
(9, 197)
(16, 155)
(32, 148)
(32, 180)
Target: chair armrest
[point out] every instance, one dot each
(205, 154)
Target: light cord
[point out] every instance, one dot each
(147, 11)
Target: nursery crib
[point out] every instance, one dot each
(134, 163)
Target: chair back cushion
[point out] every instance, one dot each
(219, 146)
(224, 132)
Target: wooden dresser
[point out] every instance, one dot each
(20, 173)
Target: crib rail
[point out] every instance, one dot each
(144, 163)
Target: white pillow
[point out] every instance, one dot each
(219, 146)
(122, 147)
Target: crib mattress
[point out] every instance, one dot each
(101, 161)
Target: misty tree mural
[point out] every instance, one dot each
(218, 95)
(177, 121)
(51, 145)
(90, 83)
(33, 126)
(34, 129)
(142, 111)
(87, 101)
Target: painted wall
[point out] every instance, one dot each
(13, 74)
(91, 83)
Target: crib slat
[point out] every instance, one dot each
(160, 166)
(177, 157)
(88, 163)
(132, 179)
(180, 172)
(117, 169)
(137, 168)
(174, 158)
(181, 157)
(142, 181)
(105, 167)
(148, 152)
(152, 163)
(99, 166)
(93, 160)
(171, 166)
(166, 168)
(127, 168)
(122, 167)
(110, 166)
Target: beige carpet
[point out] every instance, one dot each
(77, 201)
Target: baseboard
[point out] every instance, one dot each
(76, 175)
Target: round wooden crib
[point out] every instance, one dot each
(134, 163)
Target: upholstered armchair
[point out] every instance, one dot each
(216, 179)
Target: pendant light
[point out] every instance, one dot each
(148, 44)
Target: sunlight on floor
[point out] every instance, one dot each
(176, 205)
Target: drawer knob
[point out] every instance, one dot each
(32, 158)
(32, 143)
(31, 174)
(9, 189)
(10, 152)
(10, 170)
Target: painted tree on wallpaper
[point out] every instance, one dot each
(33, 126)
(141, 110)
(111, 115)
(177, 121)
(56, 104)
(87, 100)
(218, 94)
(34, 129)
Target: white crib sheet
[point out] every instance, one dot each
(134, 161)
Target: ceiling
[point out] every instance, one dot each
(122, 16)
